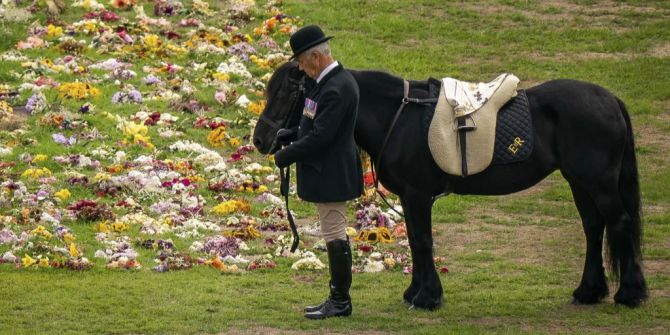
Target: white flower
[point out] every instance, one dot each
(119, 157)
(308, 263)
(196, 246)
(234, 66)
(110, 65)
(8, 257)
(373, 266)
(235, 260)
(4, 151)
(242, 101)
(101, 254)
(208, 158)
(220, 167)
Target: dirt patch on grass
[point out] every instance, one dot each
(525, 244)
(278, 331)
(661, 50)
(650, 136)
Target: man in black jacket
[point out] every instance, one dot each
(327, 161)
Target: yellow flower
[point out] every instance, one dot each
(5, 109)
(63, 194)
(235, 142)
(224, 208)
(119, 226)
(262, 189)
(101, 176)
(89, 27)
(256, 107)
(27, 261)
(77, 90)
(38, 230)
(69, 238)
(221, 76)
(261, 62)
(217, 137)
(102, 227)
(152, 41)
(136, 133)
(44, 262)
(73, 250)
(351, 232)
(39, 158)
(389, 262)
(379, 234)
(53, 31)
(36, 173)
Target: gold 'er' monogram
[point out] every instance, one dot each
(514, 147)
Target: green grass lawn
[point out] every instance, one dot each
(513, 261)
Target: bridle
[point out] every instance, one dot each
(297, 87)
(285, 173)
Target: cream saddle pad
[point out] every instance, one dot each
(477, 105)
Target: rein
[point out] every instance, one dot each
(404, 102)
(285, 173)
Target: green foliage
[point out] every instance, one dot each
(513, 261)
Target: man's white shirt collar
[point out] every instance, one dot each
(326, 70)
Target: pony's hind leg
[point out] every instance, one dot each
(623, 238)
(427, 292)
(624, 251)
(593, 286)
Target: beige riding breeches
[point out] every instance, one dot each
(333, 220)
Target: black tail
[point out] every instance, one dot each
(629, 188)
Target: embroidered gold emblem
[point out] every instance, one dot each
(516, 145)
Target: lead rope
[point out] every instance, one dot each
(285, 178)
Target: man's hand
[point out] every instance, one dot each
(286, 135)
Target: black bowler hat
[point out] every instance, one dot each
(306, 38)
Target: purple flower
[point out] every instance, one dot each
(32, 102)
(7, 236)
(122, 97)
(242, 50)
(151, 80)
(61, 139)
(116, 98)
(222, 246)
(135, 96)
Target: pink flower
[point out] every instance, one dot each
(125, 37)
(220, 97)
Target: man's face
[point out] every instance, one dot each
(309, 62)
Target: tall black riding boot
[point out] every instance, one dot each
(339, 301)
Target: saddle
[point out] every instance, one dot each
(462, 130)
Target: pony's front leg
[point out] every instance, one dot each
(425, 291)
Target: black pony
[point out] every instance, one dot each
(580, 128)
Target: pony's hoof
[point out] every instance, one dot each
(422, 301)
(409, 295)
(630, 298)
(589, 296)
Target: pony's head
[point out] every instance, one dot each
(285, 99)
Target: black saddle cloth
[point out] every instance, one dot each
(514, 131)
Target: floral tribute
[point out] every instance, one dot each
(126, 144)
